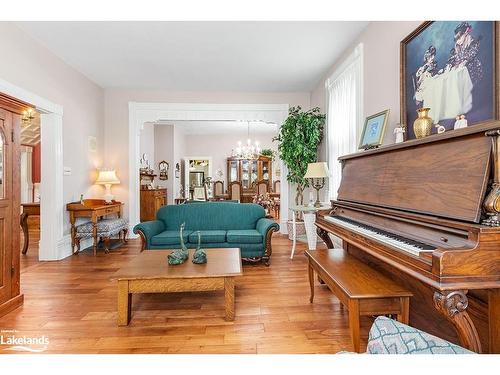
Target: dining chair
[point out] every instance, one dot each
(234, 190)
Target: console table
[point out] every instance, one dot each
(93, 209)
(29, 209)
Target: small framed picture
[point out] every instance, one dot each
(374, 129)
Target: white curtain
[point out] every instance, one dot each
(344, 90)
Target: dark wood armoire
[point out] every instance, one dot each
(10, 194)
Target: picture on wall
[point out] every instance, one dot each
(373, 131)
(450, 67)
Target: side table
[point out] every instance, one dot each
(309, 214)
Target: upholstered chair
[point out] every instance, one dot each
(262, 187)
(234, 190)
(218, 188)
(200, 193)
(277, 187)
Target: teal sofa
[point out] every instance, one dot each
(221, 224)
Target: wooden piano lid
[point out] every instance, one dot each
(444, 176)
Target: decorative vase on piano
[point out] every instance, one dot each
(422, 126)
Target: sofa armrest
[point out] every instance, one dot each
(267, 227)
(264, 224)
(147, 230)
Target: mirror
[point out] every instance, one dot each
(2, 158)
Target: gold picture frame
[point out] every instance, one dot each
(376, 124)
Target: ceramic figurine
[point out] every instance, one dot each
(200, 255)
(179, 256)
(461, 122)
(399, 131)
(440, 128)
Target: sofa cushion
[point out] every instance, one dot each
(211, 216)
(170, 237)
(244, 236)
(105, 227)
(208, 236)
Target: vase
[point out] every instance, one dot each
(422, 126)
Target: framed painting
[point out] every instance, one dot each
(450, 67)
(374, 129)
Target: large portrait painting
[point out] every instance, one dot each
(450, 67)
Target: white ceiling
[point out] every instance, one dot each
(223, 127)
(199, 56)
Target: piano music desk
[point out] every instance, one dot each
(360, 288)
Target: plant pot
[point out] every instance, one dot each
(300, 227)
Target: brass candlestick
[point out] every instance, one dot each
(318, 184)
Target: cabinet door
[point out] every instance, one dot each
(266, 170)
(232, 170)
(246, 173)
(6, 206)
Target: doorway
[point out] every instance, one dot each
(53, 245)
(143, 113)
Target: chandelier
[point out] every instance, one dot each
(248, 151)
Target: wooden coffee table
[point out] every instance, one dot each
(150, 272)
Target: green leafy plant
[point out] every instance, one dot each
(268, 152)
(299, 138)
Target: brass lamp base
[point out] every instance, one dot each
(318, 184)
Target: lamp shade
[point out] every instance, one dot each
(107, 176)
(317, 170)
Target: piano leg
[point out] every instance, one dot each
(453, 305)
(323, 234)
(494, 320)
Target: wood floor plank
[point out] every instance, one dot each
(73, 303)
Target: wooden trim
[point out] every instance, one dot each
(491, 125)
(14, 105)
(11, 304)
(269, 249)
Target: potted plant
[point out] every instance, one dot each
(299, 138)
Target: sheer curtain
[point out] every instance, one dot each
(344, 90)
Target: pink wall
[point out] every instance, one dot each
(381, 41)
(31, 66)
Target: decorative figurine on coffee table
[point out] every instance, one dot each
(179, 256)
(200, 255)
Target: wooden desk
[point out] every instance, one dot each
(93, 209)
(29, 209)
(149, 272)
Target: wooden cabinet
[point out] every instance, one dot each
(249, 171)
(10, 196)
(151, 201)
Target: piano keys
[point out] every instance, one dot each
(424, 212)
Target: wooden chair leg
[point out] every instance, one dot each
(106, 245)
(125, 239)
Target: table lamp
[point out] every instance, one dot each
(317, 172)
(107, 177)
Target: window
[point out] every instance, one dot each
(344, 113)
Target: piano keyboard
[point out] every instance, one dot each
(402, 243)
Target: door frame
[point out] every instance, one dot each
(186, 160)
(142, 112)
(54, 245)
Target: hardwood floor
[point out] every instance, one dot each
(73, 303)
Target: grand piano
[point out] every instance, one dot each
(427, 213)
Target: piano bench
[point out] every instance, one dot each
(360, 288)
